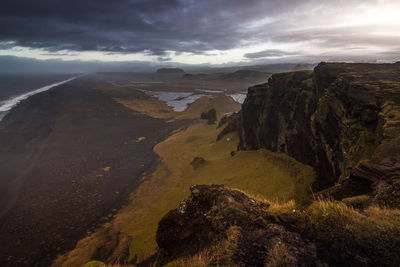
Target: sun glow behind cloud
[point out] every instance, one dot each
(385, 13)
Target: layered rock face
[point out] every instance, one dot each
(343, 119)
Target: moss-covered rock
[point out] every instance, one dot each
(210, 116)
(216, 226)
(233, 124)
(230, 229)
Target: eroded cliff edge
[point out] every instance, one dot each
(342, 119)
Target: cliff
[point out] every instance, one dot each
(342, 119)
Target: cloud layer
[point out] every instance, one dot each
(170, 29)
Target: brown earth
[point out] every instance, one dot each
(69, 157)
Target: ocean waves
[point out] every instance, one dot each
(7, 105)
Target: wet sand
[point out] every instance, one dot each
(69, 158)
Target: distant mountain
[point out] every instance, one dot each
(270, 68)
(12, 64)
(170, 71)
(237, 76)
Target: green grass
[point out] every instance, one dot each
(257, 172)
(373, 231)
(94, 264)
(264, 174)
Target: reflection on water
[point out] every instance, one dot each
(179, 101)
(210, 91)
(238, 97)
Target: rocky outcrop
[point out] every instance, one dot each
(223, 121)
(233, 124)
(239, 231)
(217, 226)
(197, 162)
(343, 119)
(210, 116)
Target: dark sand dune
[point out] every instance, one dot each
(68, 157)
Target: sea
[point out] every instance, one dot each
(16, 87)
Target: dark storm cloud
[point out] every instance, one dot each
(156, 27)
(131, 26)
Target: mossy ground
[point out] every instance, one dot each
(264, 174)
(344, 235)
(273, 176)
(261, 173)
(373, 232)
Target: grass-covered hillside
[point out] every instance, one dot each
(254, 207)
(131, 235)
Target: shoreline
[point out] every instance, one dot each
(8, 104)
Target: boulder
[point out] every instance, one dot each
(210, 116)
(236, 227)
(197, 162)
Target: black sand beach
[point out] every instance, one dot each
(69, 157)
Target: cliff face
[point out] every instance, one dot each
(343, 119)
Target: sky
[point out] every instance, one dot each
(210, 32)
